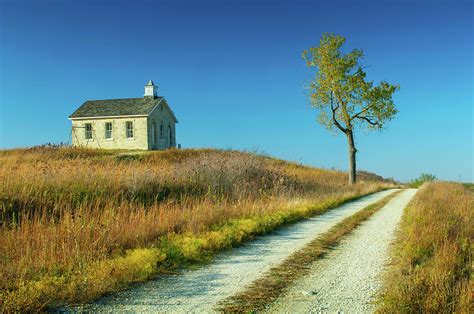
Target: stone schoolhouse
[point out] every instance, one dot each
(146, 123)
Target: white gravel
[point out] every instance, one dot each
(347, 280)
(197, 291)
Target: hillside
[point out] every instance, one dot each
(78, 223)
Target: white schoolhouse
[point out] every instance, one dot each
(133, 123)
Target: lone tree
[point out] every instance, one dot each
(342, 96)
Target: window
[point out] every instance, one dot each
(161, 130)
(88, 128)
(129, 129)
(108, 130)
(153, 134)
(170, 135)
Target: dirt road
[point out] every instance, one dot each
(347, 280)
(197, 291)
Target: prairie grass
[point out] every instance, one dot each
(431, 269)
(78, 223)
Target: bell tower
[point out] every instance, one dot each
(150, 89)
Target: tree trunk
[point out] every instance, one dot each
(352, 157)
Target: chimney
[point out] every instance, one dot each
(150, 89)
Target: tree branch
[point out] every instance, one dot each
(336, 123)
(365, 109)
(376, 123)
(360, 112)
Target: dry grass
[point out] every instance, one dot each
(432, 257)
(77, 223)
(272, 284)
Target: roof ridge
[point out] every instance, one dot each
(156, 97)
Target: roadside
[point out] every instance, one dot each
(201, 289)
(432, 257)
(348, 279)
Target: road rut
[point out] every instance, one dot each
(197, 291)
(347, 280)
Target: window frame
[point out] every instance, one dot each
(170, 135)
(153, 135)
(87, 132)
(111, 131)
(129, 131)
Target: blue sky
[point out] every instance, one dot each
(232, 71)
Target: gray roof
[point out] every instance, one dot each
(118, 107)
(150, 83)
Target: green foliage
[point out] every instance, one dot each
(424, 177)
(128, 157)
(340, 92)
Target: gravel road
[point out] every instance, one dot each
(347, 280)
(197, 291)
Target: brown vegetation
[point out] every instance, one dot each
(432, 257)
(77, 223)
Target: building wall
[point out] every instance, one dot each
(119, 139)
(161, 116)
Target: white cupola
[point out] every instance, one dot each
(150, 89)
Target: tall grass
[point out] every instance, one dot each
(73, 215)
(432, 257)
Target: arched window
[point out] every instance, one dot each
(161, 131)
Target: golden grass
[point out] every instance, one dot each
(272, 284)
(78, 223)
(431, 271)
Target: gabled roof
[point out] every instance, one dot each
(165, 104)
(116, 107)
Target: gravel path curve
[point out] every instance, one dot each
(347, 280)
(197, 291)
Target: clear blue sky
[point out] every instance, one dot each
(232, 71)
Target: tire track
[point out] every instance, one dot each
(196, 291)
(348, 279)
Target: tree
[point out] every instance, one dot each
(342, 96)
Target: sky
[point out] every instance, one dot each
(233, 74)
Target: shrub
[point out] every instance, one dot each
(423, 178)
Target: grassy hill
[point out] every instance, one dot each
(78, 223)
